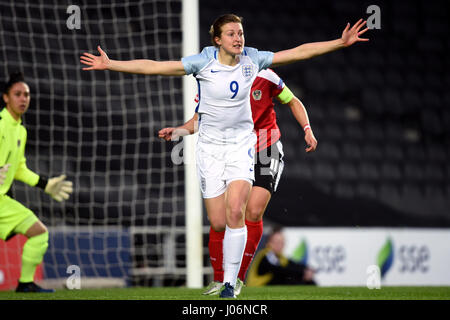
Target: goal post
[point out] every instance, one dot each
(194, 234)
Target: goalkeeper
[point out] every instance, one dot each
(14, 217)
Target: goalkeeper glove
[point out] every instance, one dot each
(59, 188)
(3, 172)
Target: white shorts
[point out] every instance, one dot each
(219, 165)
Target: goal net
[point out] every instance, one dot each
(125, 221)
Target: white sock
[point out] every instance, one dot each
(234, 243)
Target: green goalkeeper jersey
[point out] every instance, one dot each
(13, 137)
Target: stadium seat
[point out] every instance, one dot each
(390, 193)
(372, 102)
(434, 172)
(394, 152)
(346, 171)
(414, 80)
(323, 171)
(436, 153)
(344, 190)
(351, 151)
(414, 172)
(394, 79)
(328, 151)
(354, 131)
(415, 152)
(298, 169)
(366, 190)
(392, 101)
(372, 152)
(374, 132)
(368, 172)
(431, 122)
(390, 172)
(332, 132)
(412, 100)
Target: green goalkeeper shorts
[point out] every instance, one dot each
(14, 217)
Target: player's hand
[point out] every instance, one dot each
(311, 141)
(95, 62)
(166, 133)
(172, 134)
(59, 188)
(350, 36)
(3, 172)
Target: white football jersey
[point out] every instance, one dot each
(225, 114)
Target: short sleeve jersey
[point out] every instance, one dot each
(224, 109)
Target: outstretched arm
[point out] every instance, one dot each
(171, 134)
(141, 66)
(313, 49)
(300, 114)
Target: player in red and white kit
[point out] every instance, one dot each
(268, 167)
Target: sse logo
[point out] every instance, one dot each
(413, 258)
(329, 258)
(300, 253)
(385, 257)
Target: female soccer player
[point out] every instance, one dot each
(14, 217)
(268, 167)
(225, 149)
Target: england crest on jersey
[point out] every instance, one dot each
(247, 71)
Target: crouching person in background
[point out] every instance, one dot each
(271, 267)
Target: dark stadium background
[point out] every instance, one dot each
(380, 111)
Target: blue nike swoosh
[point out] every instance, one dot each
(214, 71)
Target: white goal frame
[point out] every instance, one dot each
(193, 201)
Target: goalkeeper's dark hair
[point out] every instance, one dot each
(14, 78)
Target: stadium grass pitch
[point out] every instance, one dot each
(263, 293)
